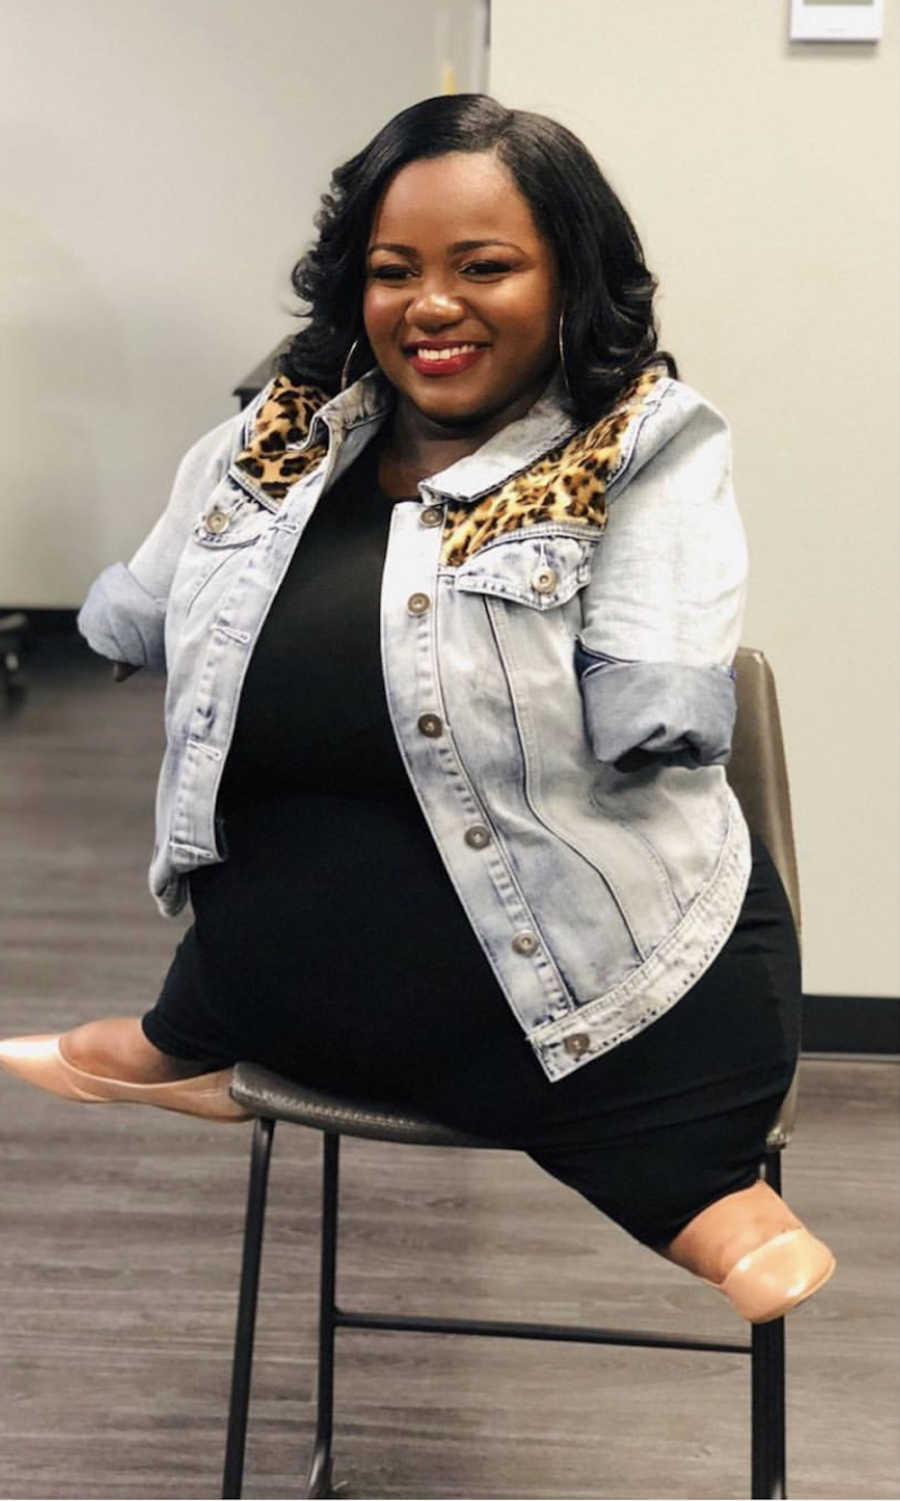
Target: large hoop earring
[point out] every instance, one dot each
(345, 373)
(562, 352)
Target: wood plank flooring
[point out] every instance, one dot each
(120, 1236)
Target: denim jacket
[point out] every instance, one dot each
(559, 615)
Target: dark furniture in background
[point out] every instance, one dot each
(255, 379)
(13, 646)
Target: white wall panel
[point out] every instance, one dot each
(162, 164)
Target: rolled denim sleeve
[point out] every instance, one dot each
(662, 708)
(123, 616)
(664, 608)
(119, 619)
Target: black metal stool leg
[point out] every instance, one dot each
(319, 1478)
(254, 1222)
(768, 1411)
(767, 1362)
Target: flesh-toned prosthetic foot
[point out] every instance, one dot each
(39, 1060)
(778, 1276)
(757, 1253)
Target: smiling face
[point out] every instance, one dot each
(455, 260)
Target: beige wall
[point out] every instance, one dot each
(162, 161)
(763, 178)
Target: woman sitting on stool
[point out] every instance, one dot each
(450, 699)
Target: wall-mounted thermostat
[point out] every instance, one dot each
(836, 20)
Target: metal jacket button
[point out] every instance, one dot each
(430, 725)
(525, 943)
(578, 1044)
(431, 516)
(544, 580)
(478, 836)
(417, 604)
(216, 521)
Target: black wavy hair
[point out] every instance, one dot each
(608, 324)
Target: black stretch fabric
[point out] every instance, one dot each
(331, 946)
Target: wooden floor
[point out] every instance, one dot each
(120, 1237)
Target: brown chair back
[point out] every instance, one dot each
(757, 773)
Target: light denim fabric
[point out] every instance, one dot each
(598, 894)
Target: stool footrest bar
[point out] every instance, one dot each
(571, 1334)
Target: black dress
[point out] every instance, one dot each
(331, 947)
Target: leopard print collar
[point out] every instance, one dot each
(568, 484)
(274, 458)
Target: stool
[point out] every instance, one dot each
(758, 775)
(272, 1099)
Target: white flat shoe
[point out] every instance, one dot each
(39, 1060)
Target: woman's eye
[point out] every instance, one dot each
(486, 268)
(477, 268)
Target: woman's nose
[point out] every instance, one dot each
(435, 308)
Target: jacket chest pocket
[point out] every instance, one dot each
(228, 525)
(228, 520)
(542, 572)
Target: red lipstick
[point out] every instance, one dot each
(439, 363)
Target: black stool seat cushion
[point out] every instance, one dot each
(269, 1095)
